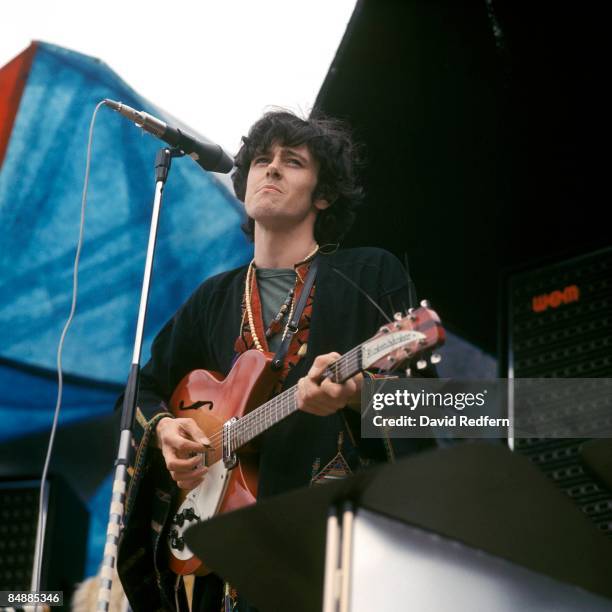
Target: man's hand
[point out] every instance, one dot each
(182, 443)
(322, 396)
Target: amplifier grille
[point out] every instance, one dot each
(65, 536)
(18, 515)
(560, 326)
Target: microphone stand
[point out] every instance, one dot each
(163, 160)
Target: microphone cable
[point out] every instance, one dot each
(42, 516)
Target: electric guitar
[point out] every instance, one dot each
(232, 411)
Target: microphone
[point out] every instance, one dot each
(209, 156)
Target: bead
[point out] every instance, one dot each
(289, 303)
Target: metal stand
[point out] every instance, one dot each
(162, 167)
(338, 557)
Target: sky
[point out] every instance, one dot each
(216, 65)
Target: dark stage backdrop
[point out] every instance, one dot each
(484, 124)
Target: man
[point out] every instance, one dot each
(297, 181)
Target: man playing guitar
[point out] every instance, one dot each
(297, 181)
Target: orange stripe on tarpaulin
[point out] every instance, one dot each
(13, 78)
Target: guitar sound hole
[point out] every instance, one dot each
(195, 405)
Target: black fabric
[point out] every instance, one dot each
(202, 335)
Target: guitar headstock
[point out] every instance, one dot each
(408, 338)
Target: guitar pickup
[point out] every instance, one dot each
(208, 459)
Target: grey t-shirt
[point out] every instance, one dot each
(274, 285)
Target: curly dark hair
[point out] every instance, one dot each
(329, 142)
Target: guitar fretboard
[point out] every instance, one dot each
(284, 404)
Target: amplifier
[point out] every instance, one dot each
(560, 326)
(65, 536)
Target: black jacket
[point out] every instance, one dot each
(202, 335)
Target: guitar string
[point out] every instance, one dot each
(261, 414)
(349, 360)
(248, 422)
(253, 423)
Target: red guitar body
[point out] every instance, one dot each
(211, 400)
(219, 406)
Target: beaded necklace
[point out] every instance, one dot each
(289, 303)
(274, 326)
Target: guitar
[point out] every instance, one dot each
(232, 411)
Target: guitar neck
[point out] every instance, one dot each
(278, 408)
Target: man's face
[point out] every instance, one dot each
(280, 186)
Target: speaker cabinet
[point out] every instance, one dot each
(560, 326)
(65, 536)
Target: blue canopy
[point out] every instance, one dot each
(41, 179)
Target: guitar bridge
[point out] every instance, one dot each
(229, 457)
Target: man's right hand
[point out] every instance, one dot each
(182, 443)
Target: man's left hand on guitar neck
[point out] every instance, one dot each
(322, 396)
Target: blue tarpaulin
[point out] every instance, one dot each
(41, 179)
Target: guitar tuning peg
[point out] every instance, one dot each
(408, 372)
(398, 316)
(425, 303)
(421, 364)
(410, 310)
(435, 358)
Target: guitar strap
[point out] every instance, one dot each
(279, 357)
